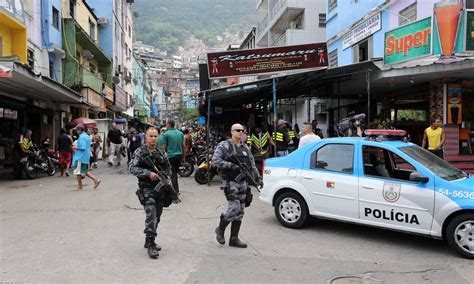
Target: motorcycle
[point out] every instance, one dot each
(193, 158)
(38, 160)
(204, 172)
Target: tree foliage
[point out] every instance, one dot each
(167, 23)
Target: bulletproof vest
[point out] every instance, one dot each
(239, 155)
(156, 157)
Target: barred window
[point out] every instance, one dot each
(322, 20)
(333, 58)
(407, 15)
(332, 5)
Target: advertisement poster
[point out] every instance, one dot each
(454, 104)
(362, 31)
(266, 60)
(448, 29)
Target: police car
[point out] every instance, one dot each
(379, 181)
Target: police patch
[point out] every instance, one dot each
(391, 191)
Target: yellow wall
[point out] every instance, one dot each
(83, 15)
(14, 37)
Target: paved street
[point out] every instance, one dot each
(52, 234)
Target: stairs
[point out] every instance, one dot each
(463, 162)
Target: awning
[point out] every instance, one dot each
(25, 83)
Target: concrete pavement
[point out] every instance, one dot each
(50, 234)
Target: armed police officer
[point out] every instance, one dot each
(151, 166)
(236, 162)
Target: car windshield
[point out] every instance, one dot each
(432, 162)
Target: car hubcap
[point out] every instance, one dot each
(290, 210)
(464, 236)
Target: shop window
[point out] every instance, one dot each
(31, 58)
(332, 5)
(362, 51)
(333, 58)
(411, 115)
(334, 158)
(92, 29)
(322, 20)
(407, 15)
(56, 18)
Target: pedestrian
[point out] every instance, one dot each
(129, 137)
(114, 141)
(134, 142)
(227, 157)
(142, 166)
(317, 130)
(173, 144)
(64, 148)
(434, 137)
(308, 135)
(96, 147)
(280, 139)
(187, 144)
(81, 158)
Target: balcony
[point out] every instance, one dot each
(92, 80)
(277, 7)
(261, 29)
(279, 39)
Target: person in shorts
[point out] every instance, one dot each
(81, 158)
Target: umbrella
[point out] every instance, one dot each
(87, 122)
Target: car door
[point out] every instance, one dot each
(387, 197)
(331, 180)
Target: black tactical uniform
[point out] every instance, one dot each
(227, 158)
(153, 201)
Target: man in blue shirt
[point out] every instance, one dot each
(82, 154)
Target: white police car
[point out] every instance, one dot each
(378, 182)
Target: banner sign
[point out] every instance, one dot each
(362, 31)
(266, 60)
(408, 42)
(14, 8)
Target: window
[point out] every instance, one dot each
(92, 29)
(334, 158)
(322, 20)
(332, 5)
(469, 4)
(407, 15)
(31, 58)
(362, 51)
(332, 58)
(55, 18)
(51, 70)
(379, 162)
(129, 31)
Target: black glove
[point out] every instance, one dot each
(260, 182)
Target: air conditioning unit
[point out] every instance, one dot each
(102, 21)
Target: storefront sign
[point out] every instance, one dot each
(10, 114)
(14, 8)
(448, 29)
(362, 31)
(94, 98)
(266, 60)
(408, 42)
(108, 93)
(470, 31)
(120, 97)
(454, 109)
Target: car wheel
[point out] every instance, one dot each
(460, 234)
(291, 210)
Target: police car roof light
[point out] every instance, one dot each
(386, 134)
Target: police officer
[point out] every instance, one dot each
(227, 157)
(142, 166)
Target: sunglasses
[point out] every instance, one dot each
(239, 130)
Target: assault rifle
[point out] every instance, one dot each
(165, 181)
(245, 174)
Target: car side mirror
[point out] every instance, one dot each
(418, 177)
(321, 165)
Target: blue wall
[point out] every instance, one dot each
(50, 35)
(104, 9)
(344, 16)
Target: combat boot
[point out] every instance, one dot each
(221, 229)
(147, 244)
(152, 248)
(234, 240)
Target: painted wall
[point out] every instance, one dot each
(13, 29)
(424, 9)
(35, 43)
(102, 9)
(138, 74)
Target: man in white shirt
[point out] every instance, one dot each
(308, 136)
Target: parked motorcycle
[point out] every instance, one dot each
(205, 171)
(38, 160)
(198, 150)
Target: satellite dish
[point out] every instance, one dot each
(135, 14)
(135, 81)
(88, 55)
(116, 80)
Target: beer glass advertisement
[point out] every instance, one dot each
(448, 29)
(454, 104)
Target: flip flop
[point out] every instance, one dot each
(96, 184)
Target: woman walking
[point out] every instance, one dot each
(64, 144)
